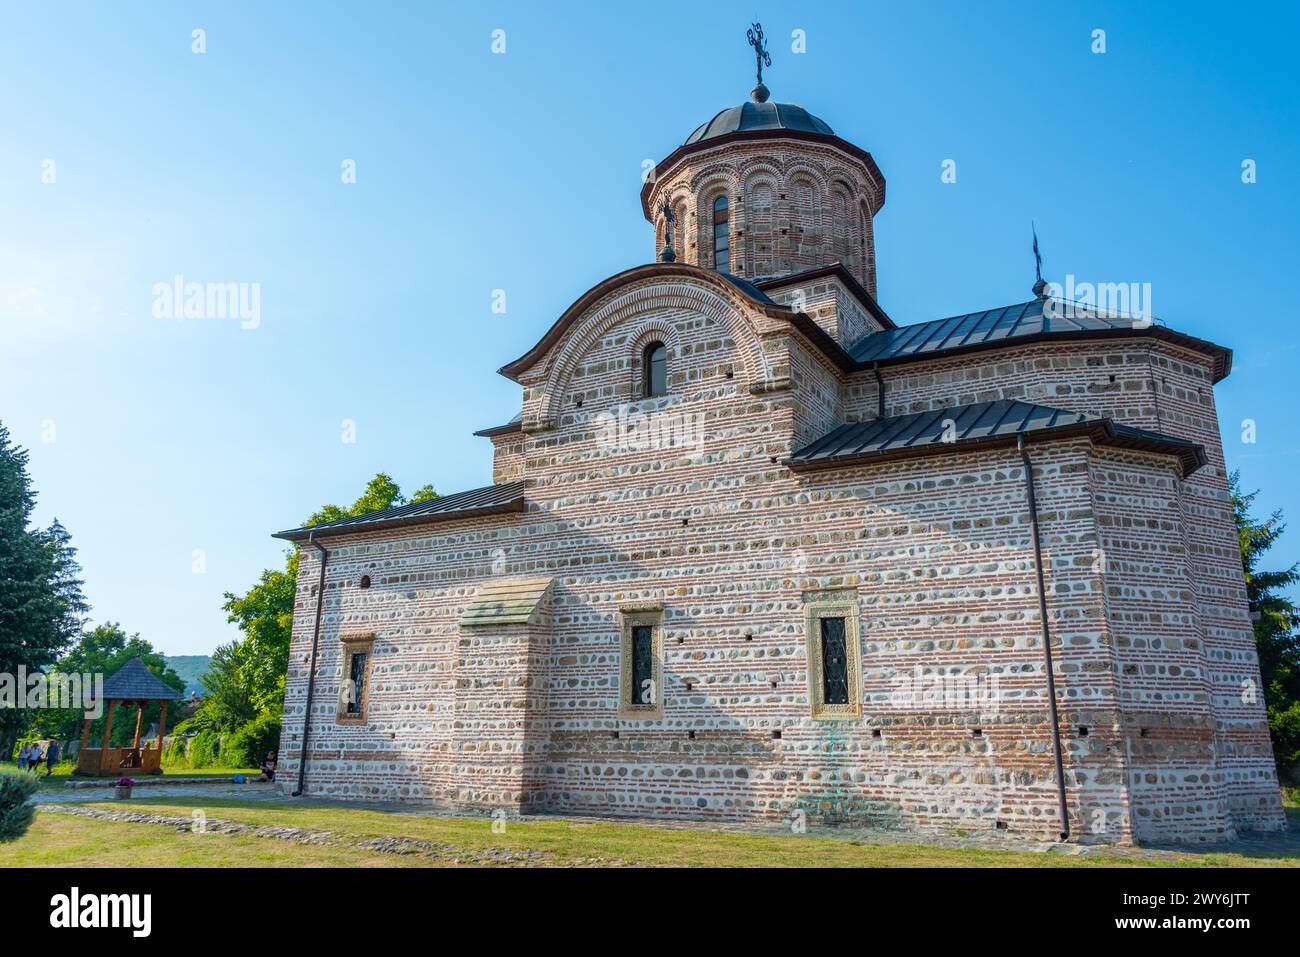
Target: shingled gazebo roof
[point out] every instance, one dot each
(135, 682)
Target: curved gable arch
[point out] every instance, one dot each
(641, 309)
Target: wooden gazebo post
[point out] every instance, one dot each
(108, 730)
(162, 731)
(139, 720)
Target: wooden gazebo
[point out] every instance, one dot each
(134, 683)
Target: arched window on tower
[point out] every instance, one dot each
(758, 235)
(679, 232)
(841, 227)
(654, 365)
(803, 224)
(721, 236)
(868, 268)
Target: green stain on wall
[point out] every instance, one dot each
(827, 793)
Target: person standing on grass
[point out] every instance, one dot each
(34, 759)
(23, 753)
(51, 756)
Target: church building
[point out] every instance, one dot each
(753, 552)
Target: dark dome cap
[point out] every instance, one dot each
(759, 116)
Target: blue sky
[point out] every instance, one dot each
(152, 438)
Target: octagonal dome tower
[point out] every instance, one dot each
(764, 190)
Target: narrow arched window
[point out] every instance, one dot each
(655, 364)
(721, 241)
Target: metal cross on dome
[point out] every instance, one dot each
(1038, 259)
(755, 35)
(669, 219)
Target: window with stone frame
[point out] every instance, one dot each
(832, 638)
(354, 681)
(641, 653)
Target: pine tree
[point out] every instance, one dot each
(1276, 622)
(16, 812)
(41, 604)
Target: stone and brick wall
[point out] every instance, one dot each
(831, 305)
(507, 457)
(1143, 602)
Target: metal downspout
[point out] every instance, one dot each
(1047, 643)
(315, 645)
(880, 391)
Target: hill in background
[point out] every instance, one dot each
(192, 668)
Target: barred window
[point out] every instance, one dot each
(643, 689)
(354, 682)
(357, 677)
(835, 679)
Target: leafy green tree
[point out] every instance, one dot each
(246, 680)
(228, 703)
(381, 493)
(41, 605)
(1276, 623)
(103, 650)
(424, 493)
(265, 616)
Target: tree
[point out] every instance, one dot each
(104, 650)
(16, 809)
(228, 703)
(381, 493)
(246, 680)
(1276, 622)
(41, 605)
(265, 616)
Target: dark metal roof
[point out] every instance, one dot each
(1025, 320)
(489, 500)
(514, 425)
(976, 425)
(135, 682)
(751, 116)
(749, 289)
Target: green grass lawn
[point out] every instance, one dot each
(69, 841)
(54, 841)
